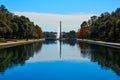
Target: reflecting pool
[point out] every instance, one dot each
(59, 60)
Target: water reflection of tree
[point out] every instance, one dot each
(50, 41)
(84, 49)
(39, 46)
(70, 42)
(107, 58)
(13, 56)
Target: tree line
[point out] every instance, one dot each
(17, 27)
(69, 35)
(50, 35)
(105, 27)
(53, 35)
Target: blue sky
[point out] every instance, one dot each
(62, 6)
(59, 8)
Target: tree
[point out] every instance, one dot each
(4, 29)
(82, 33)
(3, 9)
(16, 27)
(84, 24)
(39, 31)
(70, 34)
(105, 27)
(117, 11)
(118, 30)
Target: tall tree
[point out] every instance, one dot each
(16, 27)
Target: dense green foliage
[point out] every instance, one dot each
(53, 35)
(70, 34)
(16, 27)
(105, 27)
(50, 35)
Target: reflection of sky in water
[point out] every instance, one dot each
(59, 70)
(52, 53)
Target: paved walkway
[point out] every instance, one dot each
(110, 44)
(10, 43)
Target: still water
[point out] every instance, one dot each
(54, 60)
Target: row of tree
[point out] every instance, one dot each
(17, 27)
(53, 35)
(105, 27)
(70, 34)
(50, 35)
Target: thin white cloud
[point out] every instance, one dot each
(50, 22)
